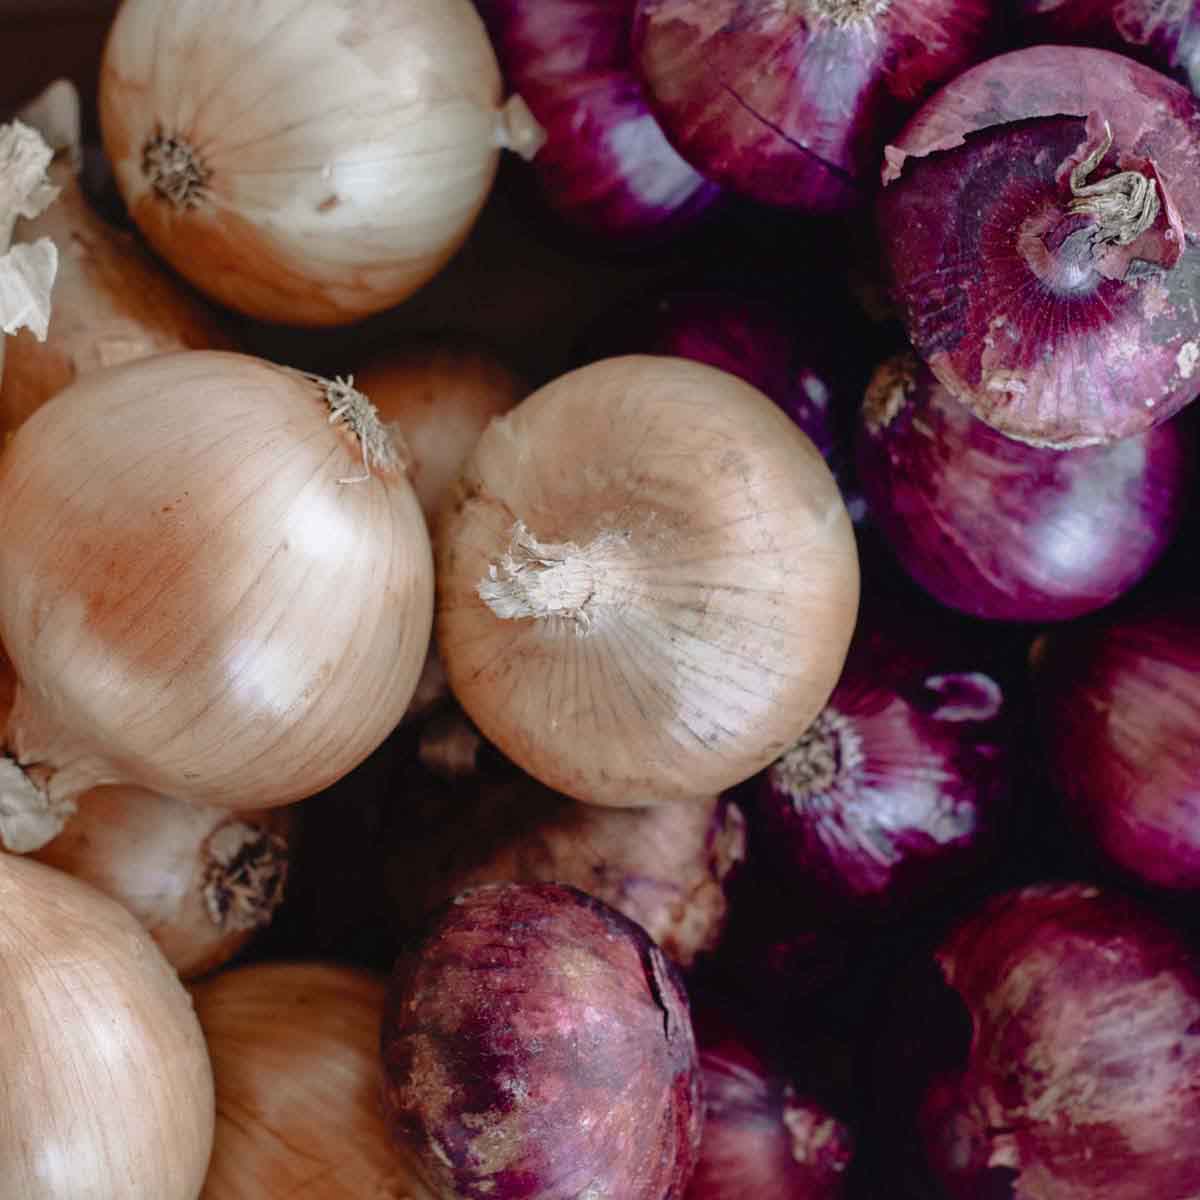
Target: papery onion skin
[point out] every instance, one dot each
(1080, 1081)
(202, 881)
(902, 785)
(663, 866)
(111, 304)
(105, 1084)
(606, 167)
(537, 1043)
(1038, 321)
(727, 573)
(201, 591)
(1120, 719)
(337, 153)
(295, 1054)
(1007, 531)
(789, 104)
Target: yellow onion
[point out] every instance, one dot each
(305, 161)
(105, 1085)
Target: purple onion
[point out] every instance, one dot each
(790, 103)
(901, 785)
(1080, 1076)
(536, 1044)
(1120, 708)
(1007, 531)
(1040, 218)
(606, 166)
(1164, 34)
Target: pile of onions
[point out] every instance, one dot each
(901, 786)
(112, 304)
(1162, 35)
(215, 584)
(202, 881)
(105, 1083)
(664, 866)
(1120, 715)
(606, 166)
(1007, 531)
(647, 582)
(1080, 1077)
(305, 161)
(537, 1043)
(790, 104)
(1040, 218)
(295, 1058)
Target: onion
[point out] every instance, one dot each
(1039, 218)
(201, 880)
(762, 1137)
(105, 1084)
(664, 867)
(1161, 33)
(790, 103)
(112, 304)
(295, 1055)
(215, 584)
(1008, 531)
(606, 166)
(537, 1043)
(902, 784)
(1081, 1076)
(647, 582)
(305, 162)
(1120, 719)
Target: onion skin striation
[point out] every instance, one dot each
(202, 591)
(1039, 219)
(1080, 1081)
(1120, 718)
(1007, 531)
(789, 103)
(647, 582)
(105, 1083)
(536, 1045)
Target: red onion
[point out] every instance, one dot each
(1161, 33)
(606, 166)
(536, 1043)
(1121, 722)
(901, 784)
(1081, 1080)
(1039, 219)
(1008, 531)
(790, 103)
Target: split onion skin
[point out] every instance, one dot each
(295, 1054)
(200, 592)
(105, 1083)
(1044, 327)
(342, 150)
(725, 582)
(1006, 531)
(536, 1043)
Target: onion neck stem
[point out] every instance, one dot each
(888, 391)
(1125, 205)
(829, 750)
(847, 14)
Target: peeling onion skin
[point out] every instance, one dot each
(1082, 1079)
(105, 1084)
(1120, 719)
(606, 167)
(789, 107)
(1007, 531)
(537, 1046)
(1041, 325)
(724, 582)
(902, 785)
(178, 541)
(343, 148)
